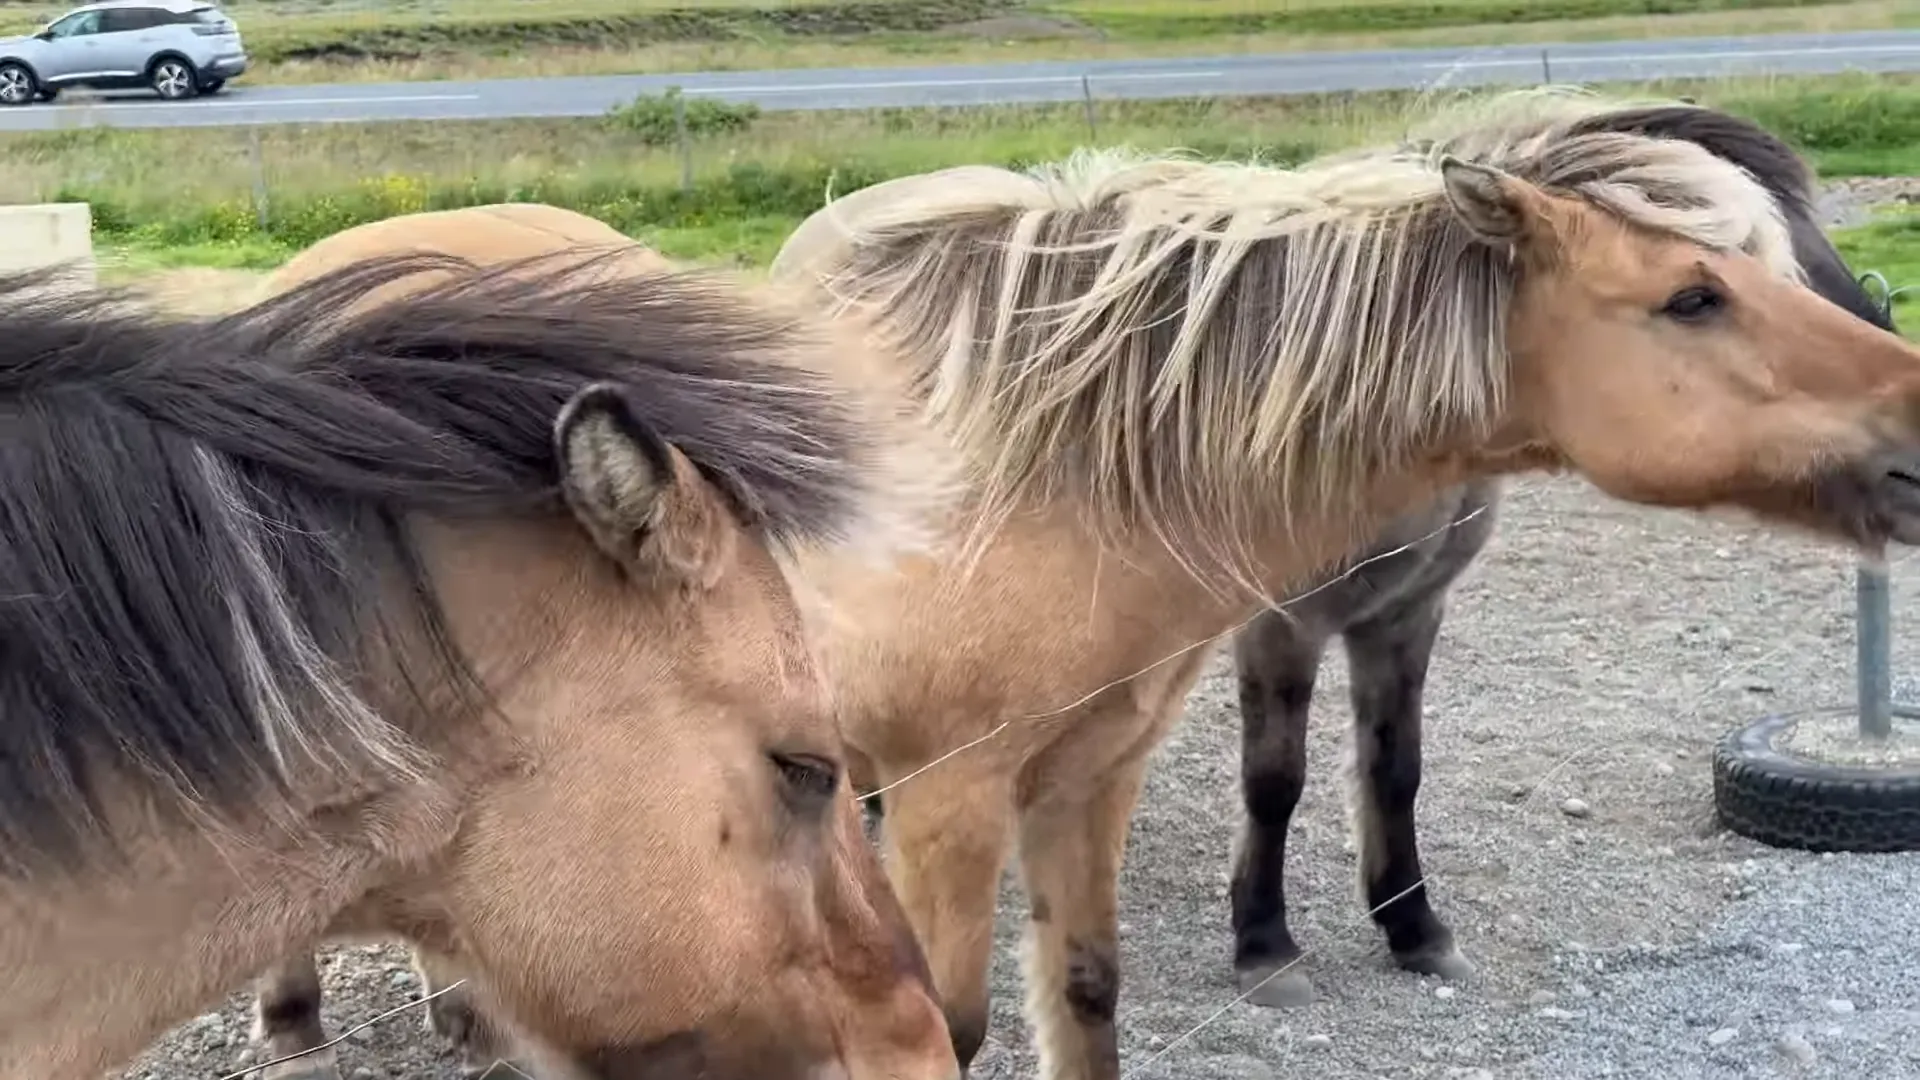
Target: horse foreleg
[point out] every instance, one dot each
(1388, 659)
(1072, 841)
(287, 1022)
(946, 834)
(481, 1042)
(1276, 661)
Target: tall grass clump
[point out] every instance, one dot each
(652, 119)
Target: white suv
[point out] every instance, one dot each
(179, 48)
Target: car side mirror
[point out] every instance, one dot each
(45, 35)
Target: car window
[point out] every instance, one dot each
(116, 20)
(80, 22)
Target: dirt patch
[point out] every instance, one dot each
(1852, 200)
(198, 290)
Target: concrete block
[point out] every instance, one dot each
(38, 236)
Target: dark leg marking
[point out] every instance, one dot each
(1388, 658)
(1277, 661)
(969, 1034)
(293, 1012)
(482, 1045)
(287, 1003)
(1093, 993)
(1093, 983)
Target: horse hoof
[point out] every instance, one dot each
(320, 1065)
(1276, 988)
(1446, 963)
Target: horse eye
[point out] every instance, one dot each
(1692, 304)
(808, 779)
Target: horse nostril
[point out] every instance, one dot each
(1908, 476)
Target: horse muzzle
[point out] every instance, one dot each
(1874, 500)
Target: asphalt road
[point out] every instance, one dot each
(1001, 84)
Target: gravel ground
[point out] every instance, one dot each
(1595, 653)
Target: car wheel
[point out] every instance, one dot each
(212, 86)
(174, 79)
(16, 85)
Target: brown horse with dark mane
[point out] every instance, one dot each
(459, 617)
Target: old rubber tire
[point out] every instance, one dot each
(1779, 798)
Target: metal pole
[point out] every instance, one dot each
(1872, 639)
(261, 210)
(680, 135)
(1086, 101)
(1546, 68)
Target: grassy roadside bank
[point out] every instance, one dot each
(752, 177)
(309, 41)
(749, 173)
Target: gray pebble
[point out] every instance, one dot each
(1721, 1037)
(1795, 1049)
(1317, 1042)
(1576, 808)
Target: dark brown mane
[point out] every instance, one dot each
(1778, 169)
(199, 517)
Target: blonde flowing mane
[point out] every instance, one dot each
(1205, 349)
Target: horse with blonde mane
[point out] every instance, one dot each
(1232, 377)
(1185, 388)
(1387, 605)
(457, 616)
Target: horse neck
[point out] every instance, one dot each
(1308, 546)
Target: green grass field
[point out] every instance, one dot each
(1890, 245)
(751, 176)
(326, 40)
(748, 178)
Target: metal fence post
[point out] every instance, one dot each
(1873, 644)
(262, 211)
(680, 136)
(1086, 101)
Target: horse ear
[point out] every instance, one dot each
(640, 499)
(1498, 207)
